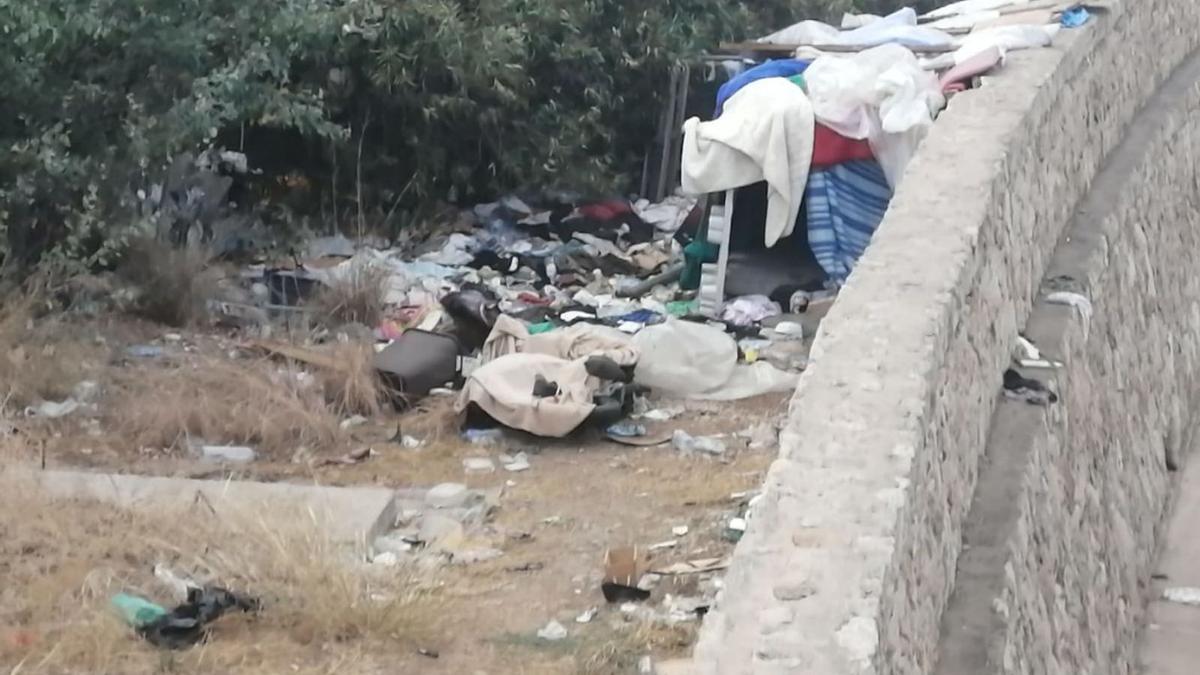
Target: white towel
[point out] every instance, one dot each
(764, 133)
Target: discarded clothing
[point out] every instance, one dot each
(778, 68)
(846, 203)
(749, 310)
(766, 133)
(510, 336)
(1019, 388)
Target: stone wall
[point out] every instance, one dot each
(851, 553)
(1098, 483)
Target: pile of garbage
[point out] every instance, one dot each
(549, 318)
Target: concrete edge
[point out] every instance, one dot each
(347, 515)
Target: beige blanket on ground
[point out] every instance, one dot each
(504, 389)
(509, 336)
(765, 133)
(512, 361)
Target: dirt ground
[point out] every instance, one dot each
(581, 496)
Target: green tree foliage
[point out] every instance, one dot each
(424, 100)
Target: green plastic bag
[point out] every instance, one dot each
(137, 612)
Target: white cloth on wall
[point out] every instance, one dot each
(899, 27)
(765, 133)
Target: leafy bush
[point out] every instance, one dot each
(364, 108)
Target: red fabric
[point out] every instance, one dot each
(606, 210)
(830, 147)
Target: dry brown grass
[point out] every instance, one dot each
(353, 388)
(357, 297)
(40, 359)
(618, 652)
(323, 611)
(276, 410)
(175, 284)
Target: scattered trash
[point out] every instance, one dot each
(351, 422)
(552, 631)
(534, 566)
(621, 568)
(85, 391)
(760, 436)
(670, 543)
(1184, 595)
(144, 351)
(688, 444)
(734, 529)
(238, 454)
(352, 457)
(410, 442)
(660, 415)
(484, 437)
(179, 586)
(52, 409)
(1074, 17)
(186, 624)
(587, 615)
(626, 430)
(698, 566)
(447, 495)
(520, 462)
(1031, 356)
(478, 465)
(473, 556)
(750, 309)
(647, 441)
(1081, 304)
(386, 559)
(429, 653)
(137, 611)
(1020, 388)
(788, 330)
(679, 530)
(415, 363)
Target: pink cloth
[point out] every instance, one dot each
(959, 77)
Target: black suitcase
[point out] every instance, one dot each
(415, 363)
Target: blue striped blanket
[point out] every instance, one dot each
(844, 203)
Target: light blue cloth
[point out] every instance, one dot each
(844, 204)
(1075, 17)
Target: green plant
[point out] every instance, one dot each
(365, 112)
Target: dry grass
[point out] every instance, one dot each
(618, 653)
(356, 297)
(175, 284)
(353, 388)
(322, 611)
(40, 359)
(221, 401)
